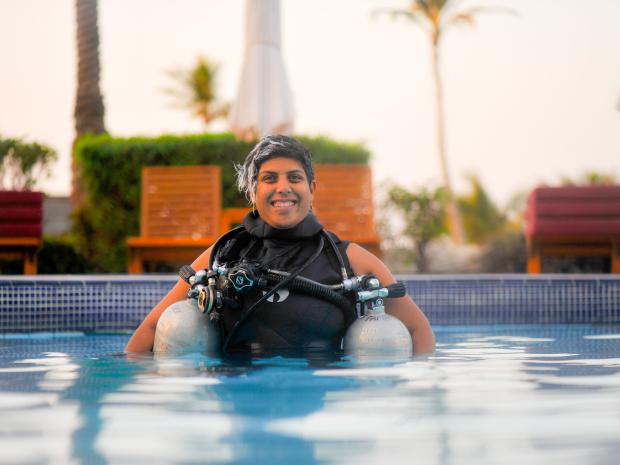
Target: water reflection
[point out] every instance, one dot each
(488, 395)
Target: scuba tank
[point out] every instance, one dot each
(182, 329)
(376, 334)
(189, 325)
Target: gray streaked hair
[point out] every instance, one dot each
(268, 147)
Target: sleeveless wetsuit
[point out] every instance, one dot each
(290, 320)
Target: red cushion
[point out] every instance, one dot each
(570, 227)
(21, 198)
(22, 214)
(558, 208)
(20, 230)
(573, 210)
(576, 192)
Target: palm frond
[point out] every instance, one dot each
(467, 16)
(459, 18)
(491, 9)
(195, 90)
(393, 13)
(415, 17)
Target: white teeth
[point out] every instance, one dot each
(286, 203)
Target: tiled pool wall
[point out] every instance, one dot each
(112, 303)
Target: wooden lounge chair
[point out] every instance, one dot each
(232, 217)
(569, 220)
(343, 203)
(21, 215)
(179, 217)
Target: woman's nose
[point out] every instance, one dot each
(283, 185)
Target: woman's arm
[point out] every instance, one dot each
(143, 338)
(363, 262)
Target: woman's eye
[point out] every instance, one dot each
(268, 178)
(295, 178)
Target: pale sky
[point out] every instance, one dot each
(529, 98)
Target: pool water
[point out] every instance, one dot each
(489, 395)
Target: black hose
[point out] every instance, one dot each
(343, 268)
(315, 289)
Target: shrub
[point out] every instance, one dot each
(59, 256)
(55, 256)
(482, 220)
(22, 164)
(506, 252)
(423, 213)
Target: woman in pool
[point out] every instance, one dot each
(282, 233)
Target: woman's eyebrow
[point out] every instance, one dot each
(295, 171)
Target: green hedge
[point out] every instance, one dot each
(110, 168)
(57, 255)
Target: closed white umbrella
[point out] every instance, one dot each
(263, 104)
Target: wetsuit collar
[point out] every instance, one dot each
(308, 227)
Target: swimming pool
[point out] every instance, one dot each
(491, 394)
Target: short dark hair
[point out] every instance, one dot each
(268, 147)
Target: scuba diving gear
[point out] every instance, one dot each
(210, 287)
(343, 268)
(248, 275)
(194, 325)
(376, 334)
(283, 282)
(307, 318)
(272, 289)
(182, 328)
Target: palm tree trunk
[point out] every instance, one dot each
(89, 109)
(454, 216)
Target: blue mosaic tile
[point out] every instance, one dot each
(517, 299)
(119, 303)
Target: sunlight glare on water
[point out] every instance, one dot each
(489, 395)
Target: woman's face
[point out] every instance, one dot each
(283, 195)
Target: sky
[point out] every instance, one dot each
(530, 98)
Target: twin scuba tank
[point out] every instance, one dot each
(193, 325)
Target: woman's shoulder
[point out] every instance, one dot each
(202, 262)
(364, 262)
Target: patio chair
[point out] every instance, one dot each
(343, 202)
(570, 220)
(232, 217)
(179, 216)
(21, 214)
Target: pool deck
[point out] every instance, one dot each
(118, 303)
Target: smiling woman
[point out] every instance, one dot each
(282, 234)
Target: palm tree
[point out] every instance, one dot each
(482, 219)
(89, 109)
(196, 90)
(435, 17)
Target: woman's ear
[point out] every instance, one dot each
(312, 187)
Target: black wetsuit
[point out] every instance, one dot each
(289, 320)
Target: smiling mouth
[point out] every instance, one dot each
(283, 203)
